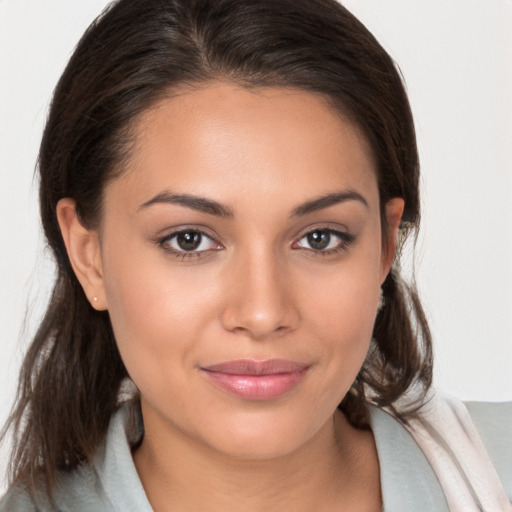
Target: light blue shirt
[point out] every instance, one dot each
(408, 481)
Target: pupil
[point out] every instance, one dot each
(319, 239)
(188, 240)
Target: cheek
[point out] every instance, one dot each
(153, 310)
(342, 315)
(347, 327)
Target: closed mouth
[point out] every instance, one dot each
(256, 380)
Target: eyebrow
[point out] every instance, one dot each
(328, 200)
(201, 204)
(212, 207)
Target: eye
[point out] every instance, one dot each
(189, 241)
(325, 240)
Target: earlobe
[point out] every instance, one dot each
(394, 211)
(84, 252)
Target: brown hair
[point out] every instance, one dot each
(127, 60)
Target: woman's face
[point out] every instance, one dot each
(241, 260)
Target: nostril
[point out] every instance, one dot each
(259, 327)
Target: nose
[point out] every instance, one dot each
(261, 301)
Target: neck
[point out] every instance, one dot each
(336, 468)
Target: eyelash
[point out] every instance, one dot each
(182, 254)
(346, 239)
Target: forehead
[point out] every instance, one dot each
(222, 140)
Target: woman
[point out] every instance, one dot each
(226, 186)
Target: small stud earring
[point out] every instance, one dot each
(95, 299)
(382, 301)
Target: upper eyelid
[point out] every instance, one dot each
(345, 236)
(184, 254)
(185, 230)
(168, 234)
(324, 228)
(346, 239)
(172, 235)
(341, 230)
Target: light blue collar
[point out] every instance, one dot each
(407, 480)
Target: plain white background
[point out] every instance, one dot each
(456, 57)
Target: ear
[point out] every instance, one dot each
(84, 252)
(394, 211)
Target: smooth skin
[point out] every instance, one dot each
(235, 273)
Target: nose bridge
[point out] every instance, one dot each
(260, 300)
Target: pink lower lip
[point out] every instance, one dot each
(256, 383)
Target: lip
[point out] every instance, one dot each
(256, 380)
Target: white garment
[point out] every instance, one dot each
(458, 457)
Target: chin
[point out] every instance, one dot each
(261, 436)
